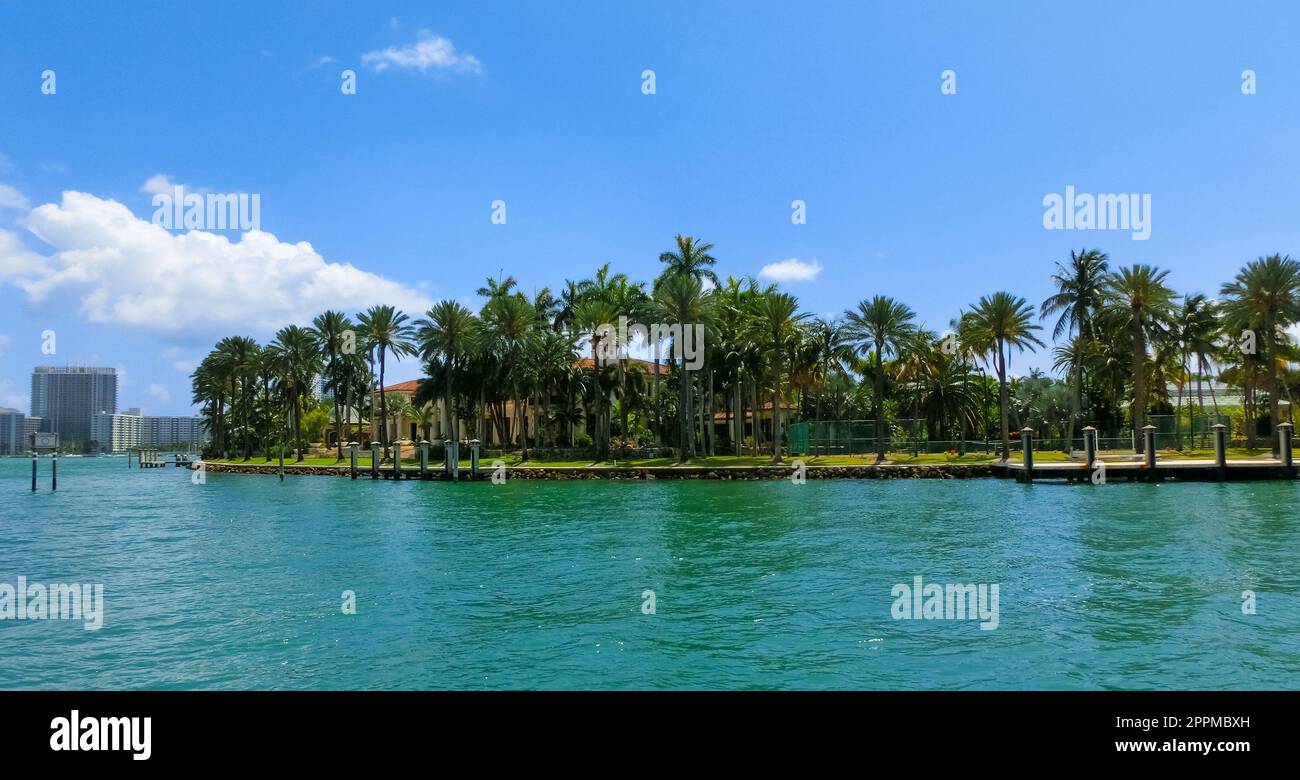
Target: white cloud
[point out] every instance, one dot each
(159, 392)
(792, 270)
(429, 52)
(5, 341)
(126, 270)
(162, 184)
(185, 366)
(11, 198)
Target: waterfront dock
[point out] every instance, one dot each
(1139, 471)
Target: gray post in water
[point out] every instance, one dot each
(352, 457)
(54, 472)
(455, 461)
(1284, 433)
(1221, 448)
(281, 469)
(397, 460)
(1090, 446)
(33, 471)
(374, 460)
(1027, 444)
(474, 445)
(446, 457)
(1149, 444)
(424, 459)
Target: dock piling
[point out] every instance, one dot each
(352, 458)
(1221, 449)
(397, 460)
(33, 471)
(1090, 446)
(374, 460)
(1027, 444)
(474, 445)
(424, 459)
(1284, 433)
(54, 472)
(1149, 447)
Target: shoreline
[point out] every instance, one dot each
(1182, 471)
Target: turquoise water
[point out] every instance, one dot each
(238, 583)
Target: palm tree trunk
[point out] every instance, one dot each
(1003, 401)
(383, 405)
(776, 413)
(1274, 416)
(879, 404)
(1139, 384)
(448, 418)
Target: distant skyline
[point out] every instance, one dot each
(387, 195)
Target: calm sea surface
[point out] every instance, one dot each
(238, 583)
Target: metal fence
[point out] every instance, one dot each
(858, 437)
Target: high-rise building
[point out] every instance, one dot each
(186, 432)
(116, 432)
(69, 398)
(12, 432)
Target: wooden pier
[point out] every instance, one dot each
(152, 459)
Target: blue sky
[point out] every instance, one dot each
(934, 199)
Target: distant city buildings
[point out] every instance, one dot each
(13, 426)
(172, 432)
(80, 404)
(115, 432)
(70, 398)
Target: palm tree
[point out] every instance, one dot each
(1266, 294)
(1138, 300)
(831, 352)
(1080, 292)
(507, 321)
(385, 331)
(777, 318)
(297, 361)
(998, 322)
(592, 314)
(447, 335)
(680, 298)
(330, 329)
(881, 325)
(691, 258)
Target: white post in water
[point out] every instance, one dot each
(352, 458)
(1284, 433)
(1027, 445)
(374, 460)
(424, 459)
(455, 461)
(1149, 442)
(1221, 448)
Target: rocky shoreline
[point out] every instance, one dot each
(541, 471)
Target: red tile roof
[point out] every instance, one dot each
(404, 387)
(647, 365)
